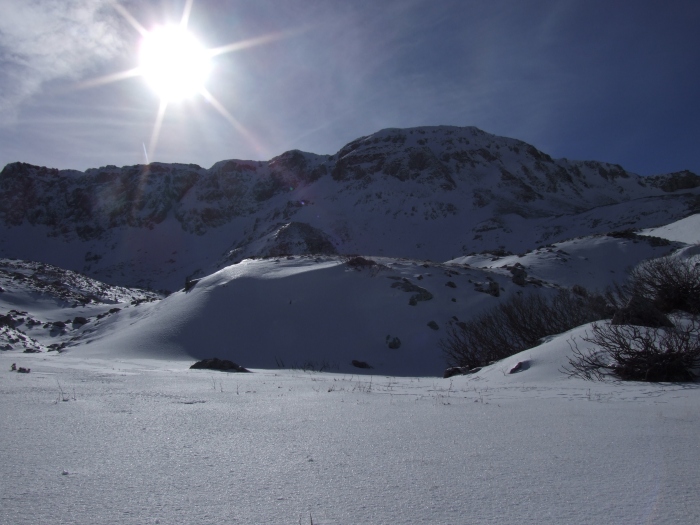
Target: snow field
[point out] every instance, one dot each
(139, 441)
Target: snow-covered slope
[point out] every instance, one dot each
(44, 308)
(686, 230)
(432, 193)
(594, 262)
(306, 312)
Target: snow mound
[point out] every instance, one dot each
(307, 312)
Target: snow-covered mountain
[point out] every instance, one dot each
(449, 222)
(430, 193)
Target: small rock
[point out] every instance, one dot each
(519, 367)
(360, 262)
(360, 364)
(494, 289)
(393, 343)
(433, 325)
(460, 370)
(219, 364)
(453, 371)
(519, 275)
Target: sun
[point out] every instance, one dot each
(176, 66)
(173, 63)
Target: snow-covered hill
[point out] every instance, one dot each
(594, 262)
(431, 193)
(314, 312)
(307, 312)
(43, 308)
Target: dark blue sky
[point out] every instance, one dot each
(615, 81)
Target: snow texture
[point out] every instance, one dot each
(138, 441)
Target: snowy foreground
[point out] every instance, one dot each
(112, 427)
(89, 441)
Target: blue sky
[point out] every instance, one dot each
(611, 80)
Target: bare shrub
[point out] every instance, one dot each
(670, 283)
(637, 353)
(518, 324)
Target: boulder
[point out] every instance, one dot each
(393, 343)
(460, 370)
(407, 286)
(454, 371)
(519, 367)
(494, 289)
(358, 262)
(215, 363)
(190, 283)
(519, 274)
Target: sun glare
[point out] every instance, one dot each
(176, 66)
(174, 63)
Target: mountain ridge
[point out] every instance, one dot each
(427, 193)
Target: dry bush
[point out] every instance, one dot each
(637, 353)
(518, 324)
(670, 282)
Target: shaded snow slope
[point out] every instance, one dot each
(313, 312)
